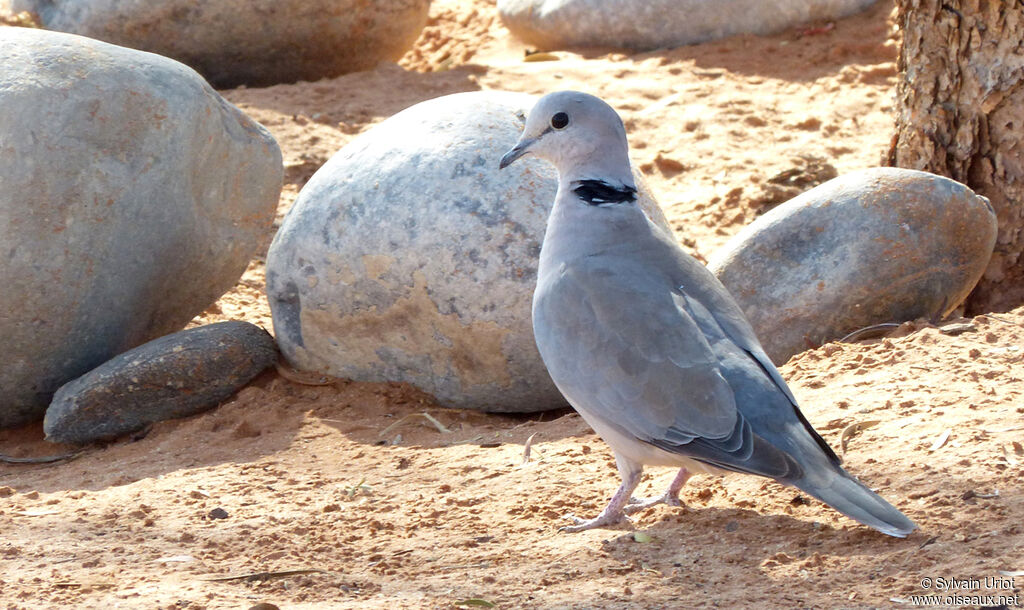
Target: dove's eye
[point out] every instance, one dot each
(559, 120)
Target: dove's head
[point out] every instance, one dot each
(579, 134)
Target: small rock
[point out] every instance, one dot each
(217, 513)
(653, 24)
(956, 329)
(807, 172)
(875, 246)
(130, 202)
(174, 376)
(409, 256)
(253, 42)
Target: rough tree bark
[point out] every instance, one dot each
(960, 105)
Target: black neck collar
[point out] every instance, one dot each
(599, 192)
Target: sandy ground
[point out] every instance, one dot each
(342, 496)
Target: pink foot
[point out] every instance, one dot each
(605, 518)
(638, 504)
(613, 513)
(671, 497)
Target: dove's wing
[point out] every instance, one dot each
(625, 349)
(744, 362)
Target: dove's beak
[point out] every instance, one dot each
(521, 148)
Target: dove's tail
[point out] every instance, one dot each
(852, 498)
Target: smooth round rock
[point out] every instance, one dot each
(653, 24)
(409, 256)
(878, 245)
(131, 197)
(174, 376)
(253, 42)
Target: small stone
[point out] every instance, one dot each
(668, 165)
(174, 376)
(807, 172)
(217, 513)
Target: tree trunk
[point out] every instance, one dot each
(960, 105)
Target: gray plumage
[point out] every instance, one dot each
(648, 346)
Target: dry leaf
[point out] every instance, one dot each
(939, 442)
(541, 57)
(261, 576)
(427, 416)
(642, 537)
(475, 601)
(176, 559)
(40, 460)
(855, 428)
(303, 377)
(997, 431)
(37, 512)
(526, 449)
(94, 585)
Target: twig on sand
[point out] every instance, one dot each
(868, 332)
(430, 418)
(303, 377)
(1002, 319)
(46, 459)
(526, 449)
(254, 576)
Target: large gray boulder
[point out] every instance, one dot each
(874, 246)
(254, 42)
(410, 257)
(131, 197)
(653, 24)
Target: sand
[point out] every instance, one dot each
(343, 496)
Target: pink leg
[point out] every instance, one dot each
(671, 497)
(613, 513)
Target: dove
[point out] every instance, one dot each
(648, 346)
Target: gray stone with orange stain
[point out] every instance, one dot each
(878, 245)
(253, 42)
(654, 24)
(410, 257)
(132, 197)
(174, 376)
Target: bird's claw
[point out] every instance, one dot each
(638, 504)
(601, 520)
